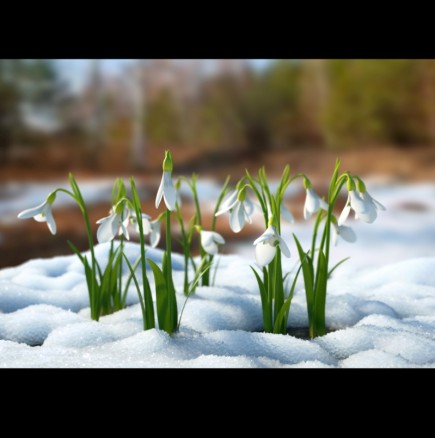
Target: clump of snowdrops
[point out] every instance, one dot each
(108, 286)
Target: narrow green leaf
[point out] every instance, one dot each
(163, 299)
(265, 304)
(320, 296)
(337, 265)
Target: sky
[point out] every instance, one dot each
(75, 71)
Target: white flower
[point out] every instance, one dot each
(146, 226)
(241, 210)
(265, 246)
(210, 241)
(312, 203)
(363, 204)
(41, 213)
(155, 233)
(115, 223)
(286, 214)
(346, 233)
(167, 191)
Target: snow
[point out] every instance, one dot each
(380, 306)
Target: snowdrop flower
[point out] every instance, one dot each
(265, 246)
(346, 233)
(146, 226)
(241, 209)
(361, 202)
(115, 223)
(155, 233)
(42, 213)
(166, 188)
(312, 201)
(210, 241)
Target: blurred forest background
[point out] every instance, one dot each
(216, 116)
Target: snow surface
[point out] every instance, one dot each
(380, 306)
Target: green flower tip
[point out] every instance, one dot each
(241, 196)
(167, 162)
(360, 185)
(350, 184)
(51, 197)
(307, 183)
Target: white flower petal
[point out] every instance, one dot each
(155, 233)
(311, 203)
(50, 220)
(206, 237)
(249, 207)
(160, 191)
(237, 218)
(217, 238)
(270, 233)
(228, 203)
(347, 233)
(210, 247)
(264, 253)
(169, 193)
(344, 214)
(323, 204)
(107, 229)
(40, 217)
(32, 212)
(283, 246)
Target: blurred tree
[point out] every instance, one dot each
(219, 123)
(373, 101)
(27, 88)
(163, 120)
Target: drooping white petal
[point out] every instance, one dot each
(227, 203)
(160, 191)
(50, 220)
(247, 217)
(364, 208)
(218, 238)
(345, 213)
(146, 226)
(323, 204)
(169, 193)
(237, 217)
(268, 234)
(155, 233)
(283, 246)
(32, 212)
(377, 204)
(347, 233)
(310, 205)
(286, 214)
(264, 253)
(108, 229)
(208, 243)
(249, 208)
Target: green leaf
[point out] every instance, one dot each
(320, 296)
(282, 317)
(337, 265)
(265, 303)
(141, 300)
(308, 274)
(163, 299)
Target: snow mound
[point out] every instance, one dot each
(382, 317)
